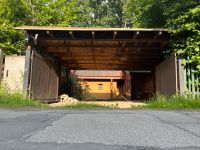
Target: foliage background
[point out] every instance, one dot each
(181, 17)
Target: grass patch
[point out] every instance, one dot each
(17, 100)
(85, 106)
(173, 103)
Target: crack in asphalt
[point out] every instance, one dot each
(173, 125)
(47, 121)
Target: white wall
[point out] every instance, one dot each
(14, 72)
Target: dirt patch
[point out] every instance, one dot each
(118, 104)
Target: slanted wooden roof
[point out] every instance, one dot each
(102, 48)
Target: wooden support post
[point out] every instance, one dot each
(111, 88)
(189, 78)
(193, 80)
(36, 39)
(1, 64)
(181, 77)
(197, 84)
(26, 79)
(185, 78)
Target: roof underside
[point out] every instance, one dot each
(102, 48)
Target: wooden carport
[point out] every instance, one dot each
(93, 49)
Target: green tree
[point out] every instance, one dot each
(144, 13)
(12, 13)
(52, 13)
(100, 13)
(186, 29)
(32, 12)
(155, 13)
(181, 17)
(15, 11)
(11, 41)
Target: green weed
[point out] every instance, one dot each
(189, 102)
(15, 99)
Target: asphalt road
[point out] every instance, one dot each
(99, 130)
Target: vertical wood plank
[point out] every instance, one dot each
(1, 64)
(185, 78)
(193, 80)
(189, 77)
(111, 88)
(181, 76)
(26, 79)
(198, 90)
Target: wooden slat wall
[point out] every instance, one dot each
(191, 80)
(126, 89)
(44, 78)
(166, 77)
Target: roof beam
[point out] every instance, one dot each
(121, 55)
(105, 64)
(104, 67)
(117, 65)
(129, 59)
(155, 37)
(124, 52)
(104, 46)
(102, 40)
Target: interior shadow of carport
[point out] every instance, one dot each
(138, 51)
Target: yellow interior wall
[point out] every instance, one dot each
(105, 92)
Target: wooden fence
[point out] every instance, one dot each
(166, 80)
(41, 76)
(191, 79)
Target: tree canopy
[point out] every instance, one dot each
(181, 17)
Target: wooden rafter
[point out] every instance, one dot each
(102, 48)
(155, 37)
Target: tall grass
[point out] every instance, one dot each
(174, 102)
(15, 99)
